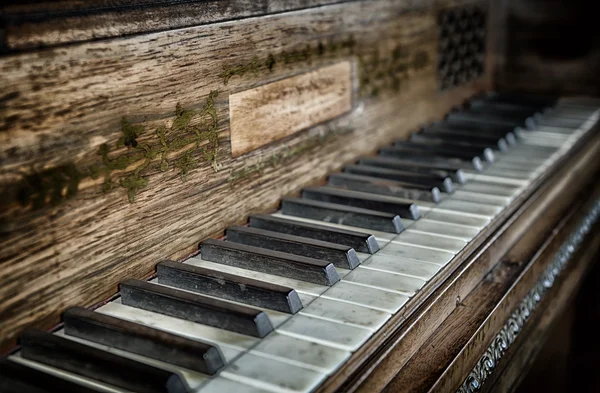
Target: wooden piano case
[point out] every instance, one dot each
(131, 130)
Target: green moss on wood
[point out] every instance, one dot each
(192, 136)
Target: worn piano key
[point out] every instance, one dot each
(465, 160)
(362, 200)
(340, 256)
(449, 149)
(268, 261)
(459, 140)
(498, 139)
(398, 283)
(480, 119)
(387, 187)
(228, 286)
(329, 333)
(469, 207)
(403, 266)
(142, 340)
(501, 130)
(225, 385)
(418, 253)
(346, 313)
(437, 179)
(299, 285)
(97, 364)
(481, 198)
(194, 307)
(491, 188)
(342, 214)
(454, 231)
(430, 241)
(272, 375)
(361, 242)
(458, 218)
(18, 378)
(452, 169)
(361, 295)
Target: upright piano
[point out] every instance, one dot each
(293, 196)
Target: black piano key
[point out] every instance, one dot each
(448, 148)
(97, 364)
(376, 185)
(482, 104)
(362, 242)
(342, 214)
(440, 180)
(229, 286)
(18, 378)
(505, 139)
(478, 118)
(195, 308)
(363, 200)
(466, 140)
(520, 99)
(512, 134)
(454, 170)
(432, 156)
(341, 256)
(143, 340)
(268, 261)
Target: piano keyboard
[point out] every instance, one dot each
(282, 303)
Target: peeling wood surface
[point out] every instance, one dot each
(115, 154)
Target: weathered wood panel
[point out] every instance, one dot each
(270, 112)
(25, 26)
(116, 154)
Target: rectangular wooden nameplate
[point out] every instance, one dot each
(270, 112)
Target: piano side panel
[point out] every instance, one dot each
(116, 154)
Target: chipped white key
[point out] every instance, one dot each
(272, 375)
(487, 199)
(408, 237)
(377, 299)
(417, 253)
(407, 267)
(221, 384)
(346, 313)
(455, 231)
(401, 284)
(337, 335)
(458, 219)
(479, 209)
(307, 354)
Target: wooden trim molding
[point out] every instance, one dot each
(514, 325)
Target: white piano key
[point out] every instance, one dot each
(306, 298)
(346, 313)
(333, 334)
(223, 385)
(417, 253)
(432, 241)
(494, 179)
(302, 353)
(404, 285)
(458, 219)
(227, 341)
(487, 199)
(407, 267)
(377, 299)
(508, 173)
(455, 231)
(491, 189)
(460, 207)
(272, 375)
(299, 286)
(380, 236)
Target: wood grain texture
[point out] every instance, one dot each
(27, 26)
(114, 154)
(273, 111)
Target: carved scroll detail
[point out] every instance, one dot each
(515, 323)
